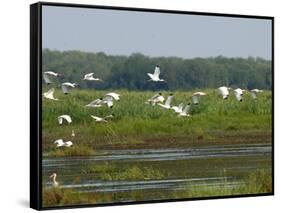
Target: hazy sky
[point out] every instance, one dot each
(155, 34)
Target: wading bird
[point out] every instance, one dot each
(100, 120)
(167, 104)
(67, 86)
(96, 103)
(254, 93)
(224, 91)
(72, 133)
(158, 98)
(61, 118)
(54, 177)
(61, 143)
(90, 77)
(114, 95)
(50, 94)
(179, 108)
(185, 112)
(48, 74)
(195, 97)
(155, 76)
(239, 94)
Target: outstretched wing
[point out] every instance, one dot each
(169, 100)
(67, 118)
(187, 109)
(195, 99)
(47, 79)
(64, 89)
(157, 71)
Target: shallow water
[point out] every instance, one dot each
(68, 168)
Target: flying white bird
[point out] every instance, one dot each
(67, 86)
(114, 95)
(195, 97)
(48, 74)
(96, 103)
(100, 120)
(61, 118)
(61, 143)
(108, 100)
(185, 112)
(224, 91)
(254, 93)
(53, 177)
(158, 98)
(50, 94)
(239, 94)
(90, 77)
(179, 108)
(72, 133)
(155, 76)
(167, 104)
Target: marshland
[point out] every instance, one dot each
(146, 152)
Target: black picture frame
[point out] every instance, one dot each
(36, 101)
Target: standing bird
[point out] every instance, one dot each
(48, 74)
(72, 133)
(195, 97)
(158, 98)
(61, 143)
(224, 91)
(239, 94)
(90, 77)
(67, 86)
(179, 108)
(185, 112)
(50, 94)
(100, 120)
(254, 93)
(96, 103)
(61, 118)
(53, 177)
(155, 76)
(168, 102)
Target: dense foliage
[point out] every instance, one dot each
(130, 72)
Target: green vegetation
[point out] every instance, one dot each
(119, 72)
(137, 124)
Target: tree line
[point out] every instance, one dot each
(130, 72)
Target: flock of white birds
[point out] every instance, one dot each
(108, 100)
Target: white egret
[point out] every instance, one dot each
(179, 108)
(50, 94)
(224, 91)
(54, 177)
(239, 94)
(61, 143)
(155, 76)
(114, 95)
(72, 133)
(61, 118)
(100, 120)
(167, 104)
(48, 74)
(67, 86)
(158, 98)
(195, 97)
(185, 112)
(254, 93)
(96, 103)
(90, 77)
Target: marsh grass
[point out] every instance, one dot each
(134, 120)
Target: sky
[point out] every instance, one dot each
(154, 34)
